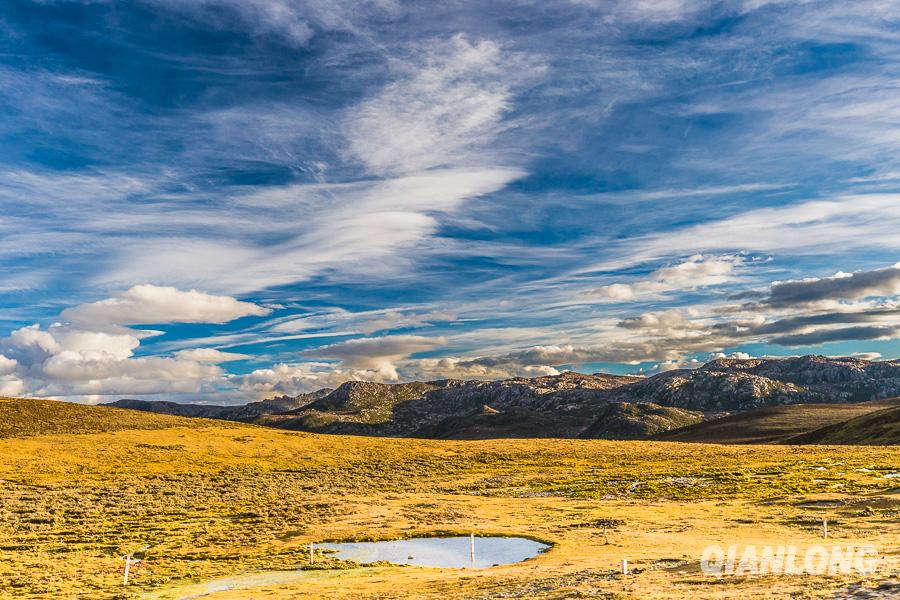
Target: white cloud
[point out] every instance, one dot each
(117, 346)
(666, 323)
(11, 385)
(48, 189)
(672, 365)
(30, 345)
(7, 365)
(156, 304)
(867, 355)
(350, 230)
(467, 368)
(444, 109)
(377, 354)
(93, 356)
(432, 130)
(62, 361)
(367, 322)
(210, 356)
(104, 373)
(868, 221)
(698, 271)
(733, 355)
(293, 379)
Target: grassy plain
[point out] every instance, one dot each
(217, 499)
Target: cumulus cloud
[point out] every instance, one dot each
(10, 384)
(62, 361)
(7, 365)
(294, 379)
(92, 355)
(159, 304)
(697, 271)
(674, 365)
(732, 355)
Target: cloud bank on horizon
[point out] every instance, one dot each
(224, 200)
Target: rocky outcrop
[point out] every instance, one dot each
(740, 385)
(713, 391)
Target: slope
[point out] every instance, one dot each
(879, 428)
(772, 425)
(23, 417)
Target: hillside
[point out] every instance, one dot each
(487, 423)
(22, 417)
(565, 405)
(878, 428)
(242, 412)
(772, 425)
(636, 421)
(551, 406)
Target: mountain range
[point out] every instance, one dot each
(576, 405)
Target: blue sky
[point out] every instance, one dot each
(222, 200)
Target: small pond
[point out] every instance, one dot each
(446, 552)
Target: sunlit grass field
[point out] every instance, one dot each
(215, 499)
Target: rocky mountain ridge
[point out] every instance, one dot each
(566, 405)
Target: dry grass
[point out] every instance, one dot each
(218, 499)
(22, 417)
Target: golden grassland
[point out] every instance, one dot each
(216, 499)
(21, 417)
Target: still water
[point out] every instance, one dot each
(446, 552)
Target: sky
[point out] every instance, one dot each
(228, 200)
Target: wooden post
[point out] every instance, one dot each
(312, 557)
(624, 567)
(131, 560)
(472, 549)
(825, 528)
